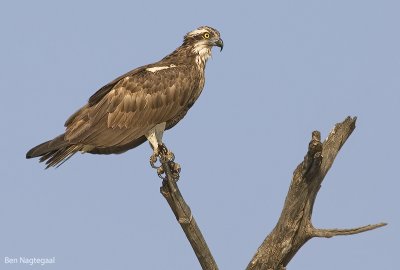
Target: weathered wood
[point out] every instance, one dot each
(183, 214)
(294, 227)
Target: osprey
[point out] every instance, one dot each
(136, 106)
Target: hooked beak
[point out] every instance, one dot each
(219, 43)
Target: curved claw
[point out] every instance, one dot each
(153, 161)
(175, 170)
(171, 156)
(160, 172)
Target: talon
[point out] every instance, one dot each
(170, 156)
(175, 170)
(160, 172)
(153, 160)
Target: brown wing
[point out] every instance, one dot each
(132, 106)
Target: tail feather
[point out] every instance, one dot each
(55, 152)
(47, 147)
(58, 157)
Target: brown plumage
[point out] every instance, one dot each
(120, 114)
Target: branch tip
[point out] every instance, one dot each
(328, 233)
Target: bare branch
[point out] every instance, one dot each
(183, 214)
(294, 227)
(328, 233)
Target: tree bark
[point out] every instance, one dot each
(183, 214)
(294, 227)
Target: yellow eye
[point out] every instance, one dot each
(206, 35)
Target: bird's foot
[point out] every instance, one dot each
(161, 154)
(175, 169)
(165, 157)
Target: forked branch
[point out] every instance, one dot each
(294, 227)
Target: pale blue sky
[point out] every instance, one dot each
(287, 68)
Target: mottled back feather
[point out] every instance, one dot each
(135, 104)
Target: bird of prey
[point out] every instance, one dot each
(136, 106)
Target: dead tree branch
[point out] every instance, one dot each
(294, 227)
(328, 233)
(183, 214)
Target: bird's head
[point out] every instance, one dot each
(201, 41)
(204, 36)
